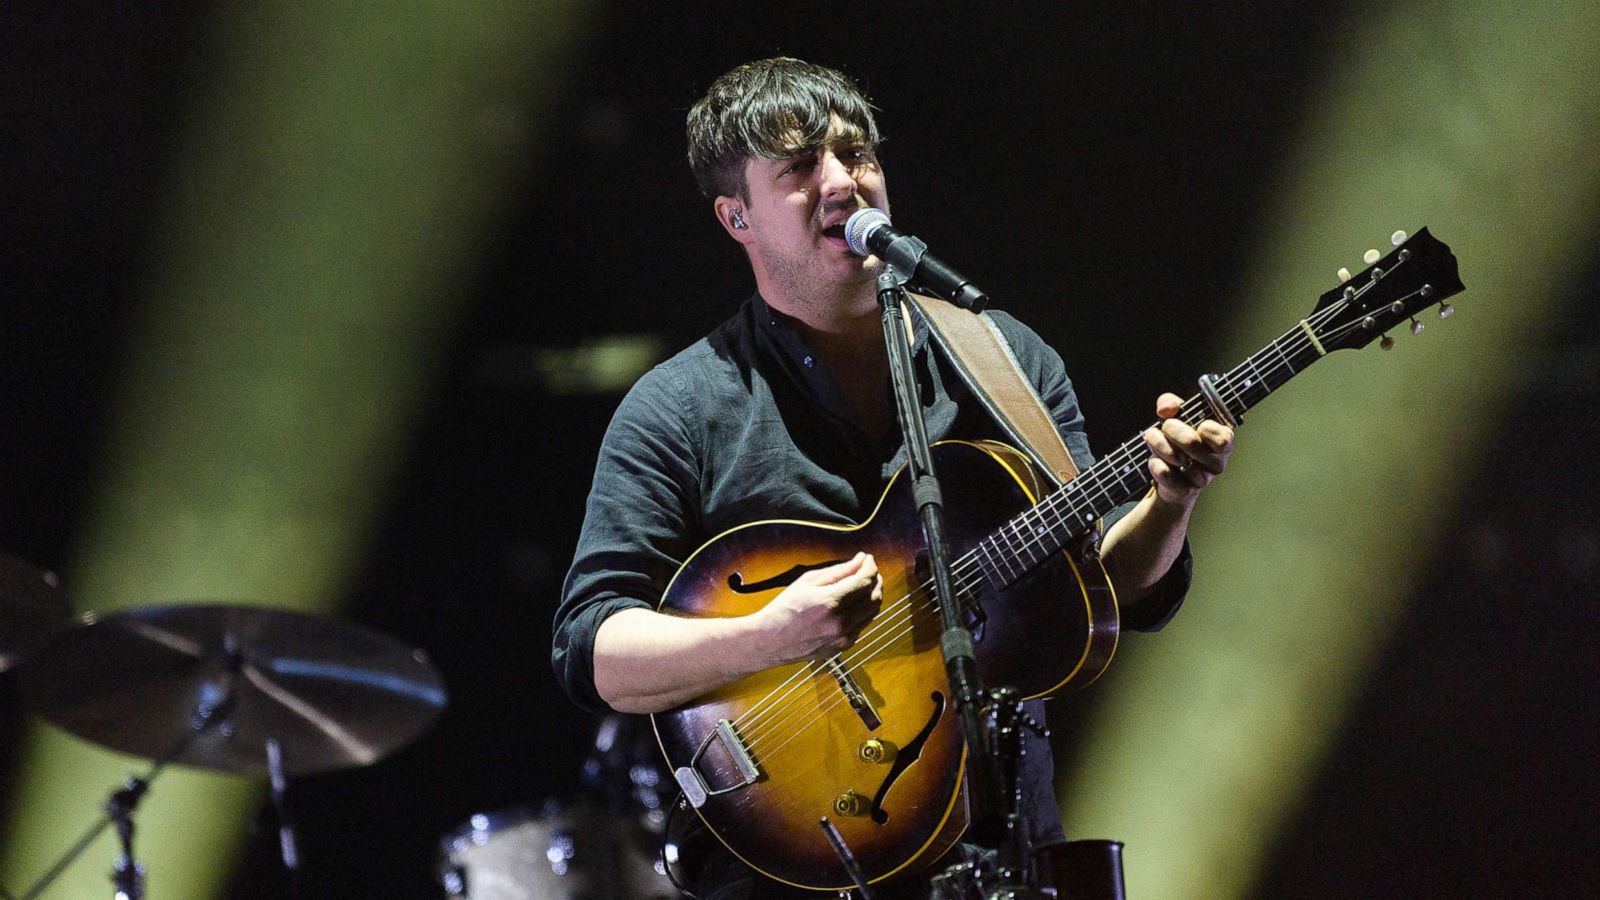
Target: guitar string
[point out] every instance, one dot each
(873, 644)
(864, 651)
(876, 645)
(871, 637)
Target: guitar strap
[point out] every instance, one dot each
(983, 359)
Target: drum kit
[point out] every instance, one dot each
(256, 691)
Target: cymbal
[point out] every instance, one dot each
(31, 603)
(334, 695)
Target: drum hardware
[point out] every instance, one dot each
(1082, 870)
(237, 689)
(127, 872)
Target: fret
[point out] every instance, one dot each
(1008, 532)
(1286, 363)
(1256, 381)
(987, 563)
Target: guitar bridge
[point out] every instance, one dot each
(694, 786)
(853, 693)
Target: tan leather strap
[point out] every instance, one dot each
(985, 362)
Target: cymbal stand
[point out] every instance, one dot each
(128, 874)
(288, 845)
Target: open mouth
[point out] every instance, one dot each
(834, 231)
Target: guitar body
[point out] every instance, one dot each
(775, 752)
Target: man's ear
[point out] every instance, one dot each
(730, 212)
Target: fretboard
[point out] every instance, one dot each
(1069, 513)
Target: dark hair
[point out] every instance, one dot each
(774, 108)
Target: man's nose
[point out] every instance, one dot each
(837, 180)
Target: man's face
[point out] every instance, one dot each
(796, 212)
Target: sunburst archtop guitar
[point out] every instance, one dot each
(868, 737)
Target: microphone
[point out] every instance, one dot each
(868, 231)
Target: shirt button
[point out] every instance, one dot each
(808, 362)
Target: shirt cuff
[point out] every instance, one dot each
(573, 658)
(1161, 602)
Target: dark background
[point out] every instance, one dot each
(1124, 148)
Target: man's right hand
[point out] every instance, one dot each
(822, 612)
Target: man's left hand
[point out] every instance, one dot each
(1183, 460)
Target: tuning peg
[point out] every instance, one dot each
(1371, 256)
(1396, 239)
(1386, 342)
(1446, 310)
(1416, 327)
(1344, 274)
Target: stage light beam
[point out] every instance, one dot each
(1481, 120)
(343, 168)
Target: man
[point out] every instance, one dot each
(785, 411)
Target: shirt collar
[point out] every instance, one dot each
(790, 341)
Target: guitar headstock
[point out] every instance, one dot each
(1418, 273)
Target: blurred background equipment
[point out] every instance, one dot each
(332, 695)
(602, 844)
(235, 689)
(31, 603)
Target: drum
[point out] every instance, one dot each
(562, 852)
(1082, 870)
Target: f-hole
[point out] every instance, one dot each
(908, 754)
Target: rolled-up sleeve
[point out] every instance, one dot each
(636, 526)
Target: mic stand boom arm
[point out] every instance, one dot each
(985, 793)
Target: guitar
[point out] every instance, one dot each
(868, 737)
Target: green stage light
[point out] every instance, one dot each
(343, 166)
(1481, 120)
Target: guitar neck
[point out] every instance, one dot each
(1123, 474)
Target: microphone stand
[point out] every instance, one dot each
(985, 791)
(993, 789)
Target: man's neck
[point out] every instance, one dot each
(832, 309)
(832, 325)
